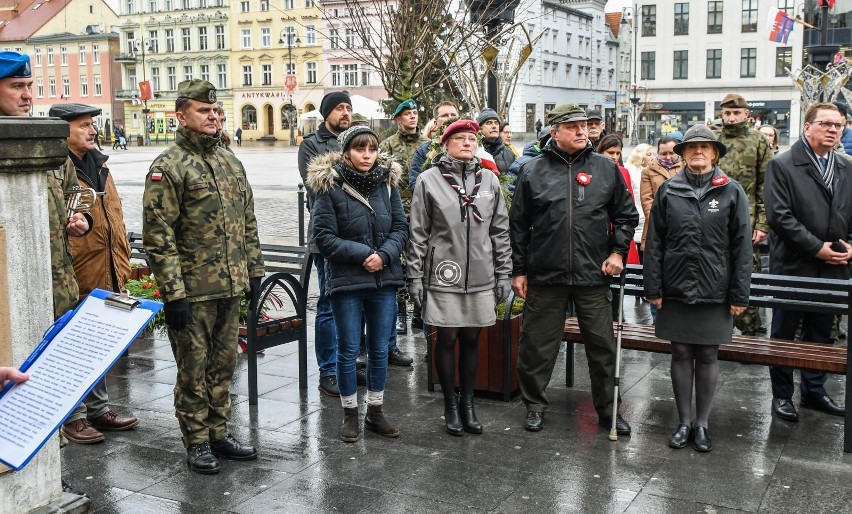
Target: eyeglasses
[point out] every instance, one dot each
(465, 139)
(829, 124)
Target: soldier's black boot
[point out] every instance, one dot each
(416, 320)
(468, 415)
(349, 431)
(452, 417)
(378, 423)
(201, 459)
(401, 318)
(229, 448)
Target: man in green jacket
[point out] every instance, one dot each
(200, 234)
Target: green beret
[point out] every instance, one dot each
(404, 106)
(197, 89)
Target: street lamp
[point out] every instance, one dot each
(292, 109)
(144, 97)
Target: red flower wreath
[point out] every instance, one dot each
(721, 180)
(584, 179)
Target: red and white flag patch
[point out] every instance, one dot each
(156, 176)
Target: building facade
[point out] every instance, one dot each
(574, 61)
(271, 40)
(166, 42)
(690, 54)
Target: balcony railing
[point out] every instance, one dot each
(125, 57)
(127, 93)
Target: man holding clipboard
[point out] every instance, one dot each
(200, 234)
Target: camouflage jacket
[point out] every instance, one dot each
(746, 161)
(199, 228)
(401, 147)
(65, 288)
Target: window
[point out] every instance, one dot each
(335, 74)
(170, 41)
(131, 76)
(714, 17)
(749, 15)
(289, 36)
(244, 6)
(185, 4)
(350, 38)
(154, 41)
(81, 54)
(681, 65)
(51, 86)
(168, 5)
(96, 53)
(220, 37)
(40, 87)
(309, 4)
(171, 76)
(129, 7)
(288, 4)
(289, 68)
(38, 57)
(222, 76)
(350, 74)
(648, 65)
(265, 37)
(249, 114)
(187, 73)
(247, 75)
(202, 38)
(783, 59)
(334, 39)
(788, 6)
(266, 74)
(63, 55)
(311, 67)
(152, 5)
(202, 4)
(186, 36)
(681, 19)
(246, 38)
(84, 86)
(748, 62)
(264, 5)
(155, 78)
(714, 63)
(205, 72)
(310, 35)
(50, 56)
(365, 76)
(649, 20)
(98, 88)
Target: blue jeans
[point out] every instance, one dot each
(325, 333)
(379, 309)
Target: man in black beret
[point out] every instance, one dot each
(336, 109)
(101, 261)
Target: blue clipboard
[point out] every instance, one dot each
(50, 334)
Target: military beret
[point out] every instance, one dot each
(404, 106)
(14, 65)
(359, 117)
(197, 89)
(594, 115)
(565, 113)
(734, 100)
(70, 112)
(345, 138)
(459, 126)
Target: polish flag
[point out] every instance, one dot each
(487, 160)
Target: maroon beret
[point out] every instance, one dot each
(459, 126)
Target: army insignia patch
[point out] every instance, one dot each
(211, 95)
(156, 176)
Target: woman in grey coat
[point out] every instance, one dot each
(459, 252)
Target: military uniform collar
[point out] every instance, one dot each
(737, 129)
(197, 142)
(408, 137)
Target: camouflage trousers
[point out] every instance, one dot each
(206, 355)
(749, 322)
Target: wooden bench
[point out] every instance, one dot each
(284, 290)
(771, 291)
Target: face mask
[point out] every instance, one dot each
(668, 163)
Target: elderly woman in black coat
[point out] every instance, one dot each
(698, 273)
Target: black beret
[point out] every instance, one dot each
(70, 112)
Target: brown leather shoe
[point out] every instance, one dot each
(112, 421)
(81, 431)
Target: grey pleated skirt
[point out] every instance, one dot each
(443, 309)
(710, 324)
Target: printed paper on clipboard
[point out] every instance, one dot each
(75, 353)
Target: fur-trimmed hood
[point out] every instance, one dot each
(322, 177)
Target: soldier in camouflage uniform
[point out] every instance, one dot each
(200, 234)
(748, 155)
(401, 146)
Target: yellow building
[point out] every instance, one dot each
(166, 42)
(270, 40)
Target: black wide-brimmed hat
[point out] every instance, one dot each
(700, 134)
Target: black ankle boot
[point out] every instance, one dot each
(401, 319)
(468, 415)
(452, 416)
(350, 430)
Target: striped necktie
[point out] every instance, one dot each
(826, 173)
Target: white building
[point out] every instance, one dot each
(690, 54)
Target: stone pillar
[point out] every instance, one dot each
(29, 148)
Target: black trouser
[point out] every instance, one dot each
(816, 328)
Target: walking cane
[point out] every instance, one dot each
(613, 434)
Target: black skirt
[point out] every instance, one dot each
(710, 324)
